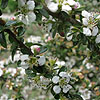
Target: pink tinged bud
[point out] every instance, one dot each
(38, 49)
(49, 38)
(13, 18)
(75, 6)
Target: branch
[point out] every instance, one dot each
(21, 45)
(73, 21)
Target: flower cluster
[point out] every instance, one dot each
(90, 22)
(61, 82)
(66, 5)
(28, 16)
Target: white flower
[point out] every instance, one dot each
(12, 71)
(53, 7)
(57, 89)
(71, 2)
(63, 74)
(95, 31)
(31, 5)
(31, 17)
(66, 8)
(66, 88)
(85, 14)
(1, 72)
(41, 60)
(87, 31)
(69, 36)
(98, 39)
(85, 21)
(4, 97)
(21, 3)
(85, 93)
(24, 57)
(55, 79)
(89, 66)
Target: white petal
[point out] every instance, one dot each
(55, 79)
(24, 65)
(31, 5)
(69, 37)
(24, 57)
(31, 17)
(63, 74)
(66, 8)
(87, 31)
(53, 7)
(1, 72)
(85, 14)
(57, 89)
(41, 60)
(95, 31)
(85, 21)
(98, 39)
(71, 2)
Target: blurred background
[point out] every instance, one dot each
(35, 30)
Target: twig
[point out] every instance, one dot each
(21, 45)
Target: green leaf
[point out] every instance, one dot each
(4, 3)
(48, 75)
(76, 97)
(30, 73)
(0, 12)
(63, 69)
(21, 31)
(57, 96)
(38, 17)
(43, 49)
(54, 33)
(1, 28)
(14, 49)
(13, 53)
(39, 7)
(29, 44)
(80, 9)
(11, 39)
(24, 51)
(44, 13)
(11, 22)
(3, 40)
